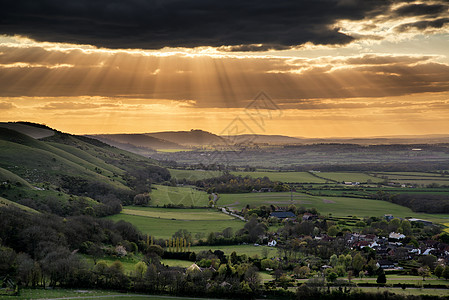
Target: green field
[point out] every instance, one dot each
(29, 293)
(172, 214)
(239, 201)
(185, 195)
(193, 174)
(176, 263)
(447, 227)
(419, 178)
(289, 177)
(348, 176)
(408, 291)
(163, 223)
(337, 206)
(407, 279)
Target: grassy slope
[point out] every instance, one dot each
(6, 202)
(37, 165)
(31, 159)
(6, 175)
(36, 132)
(88, 157)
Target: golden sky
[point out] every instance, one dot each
(387, 74)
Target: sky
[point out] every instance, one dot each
(306, 68)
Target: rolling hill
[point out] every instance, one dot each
(137, 143)
(60, 171)
(189, 138)
(30, 129)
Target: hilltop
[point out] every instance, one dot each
(189, 138)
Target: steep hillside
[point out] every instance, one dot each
(68, 174)
(10, 177)
(6, 202)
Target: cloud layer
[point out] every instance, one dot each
(243, 25)
(209, 81)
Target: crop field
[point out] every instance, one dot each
(185, 195)
(164, 228)
(349, 176)
(290, 177)
(193, 174)
(337, 206)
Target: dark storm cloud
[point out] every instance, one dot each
(421, 9)
(154, 24)
(423, 25)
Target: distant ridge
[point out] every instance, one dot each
(146, 143)
(189, 138)
(138, 140)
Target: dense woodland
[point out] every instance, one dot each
(432, 204)
(228, 183)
